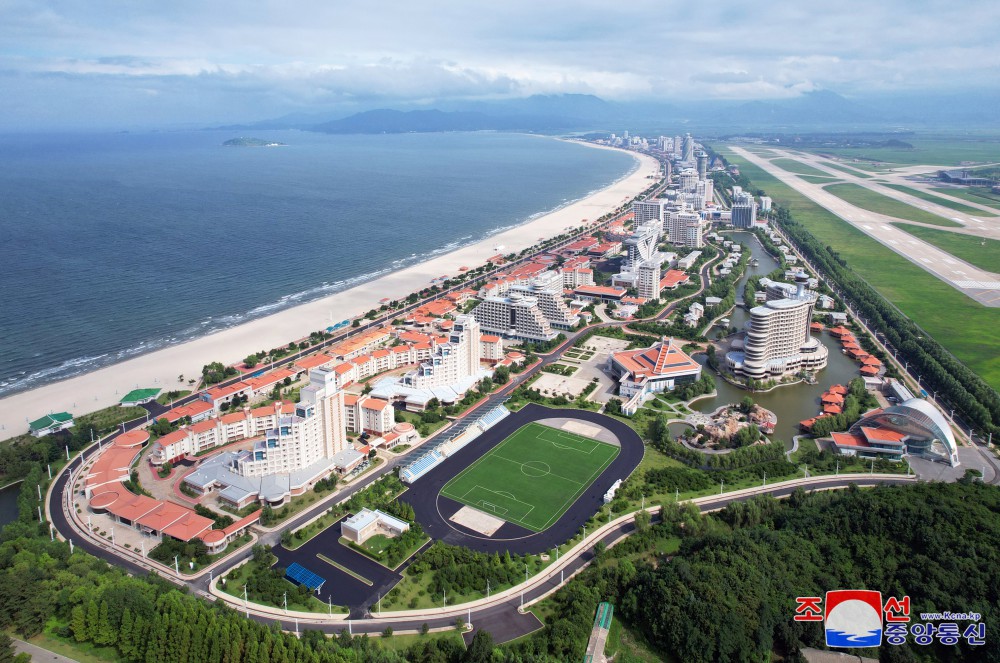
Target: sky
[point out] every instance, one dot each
(139, 63)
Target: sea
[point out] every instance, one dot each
(113, 245)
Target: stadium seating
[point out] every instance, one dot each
(492, 417)
(421, 466)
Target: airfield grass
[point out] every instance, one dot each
(962, 325)
(979, 251)
(867, 199)
(944, 202)
(533, 476)
(799, 168)
(819, 180)
(845, 169)
(931, 149)
(980, 195)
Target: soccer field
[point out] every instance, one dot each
(533, 476)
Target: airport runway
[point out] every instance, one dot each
(976, 283)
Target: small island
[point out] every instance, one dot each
(251, 142)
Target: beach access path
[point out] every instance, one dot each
(104, 387)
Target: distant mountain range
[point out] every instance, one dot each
(821, 109)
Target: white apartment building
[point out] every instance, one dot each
(744, 211)
(777, 340)
(574, 277)
(366, 414)
(316, 431)
(648, 282)
(687, 180)
(452, 362)
(685, 228)
(515, 316)
(644, 211)
(547, 289)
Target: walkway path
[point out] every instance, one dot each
(40, 655)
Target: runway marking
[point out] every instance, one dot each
(979, 285)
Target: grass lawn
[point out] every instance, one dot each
(876, 202)
(403, 642)
(963, 326)
(236, 578)
(172, 395)
(629, 645)
(944, 202)
(980, 195)
(400, 448)
(414, 418)
(978, 251)
(533, 476)
(799, 168)
(819, 180)
(845, 169)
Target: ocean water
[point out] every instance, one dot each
(114, 245)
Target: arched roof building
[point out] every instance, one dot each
(913, 426)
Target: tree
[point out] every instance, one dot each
(250, 361)
(746, 404)
(481, 648)
(613, 406)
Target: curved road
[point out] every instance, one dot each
(502, 618)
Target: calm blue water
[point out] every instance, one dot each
(119, 244)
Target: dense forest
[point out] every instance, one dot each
(728, 594)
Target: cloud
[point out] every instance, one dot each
(224, 59)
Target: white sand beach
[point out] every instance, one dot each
(105, 386)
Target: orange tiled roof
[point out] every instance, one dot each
(882, 434)
(662, 359)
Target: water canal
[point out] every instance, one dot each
(791, 403)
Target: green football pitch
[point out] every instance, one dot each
(533, 476)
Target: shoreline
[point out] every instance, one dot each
(105, 386)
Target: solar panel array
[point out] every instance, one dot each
(303, 576)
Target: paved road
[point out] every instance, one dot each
(502, 618)
(39, 655)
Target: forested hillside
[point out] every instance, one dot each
(728, 594)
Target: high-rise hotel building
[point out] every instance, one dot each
(777, 340)
(315, 432)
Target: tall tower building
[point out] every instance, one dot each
(685, 228)
(451, 362)
(644, 211)
(744, 210)
(777, 340)
(649, 278)
(315, 432)
(702, 158)
(688, 148)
